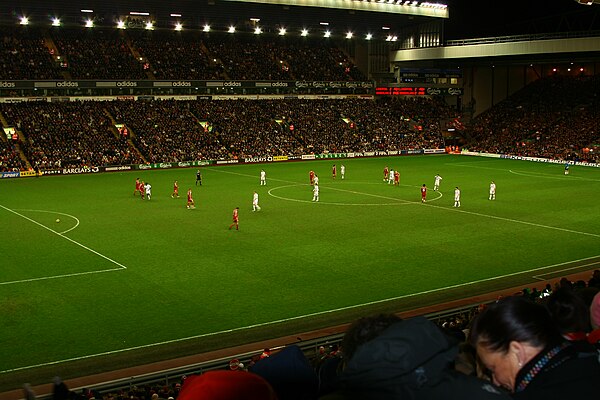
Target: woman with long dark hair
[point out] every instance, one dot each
(523, 350)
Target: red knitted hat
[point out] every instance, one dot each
(226, 385)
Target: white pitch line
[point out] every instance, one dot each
(65, 237)
(44, 278)
(283, 320)
(398, 201)
(56, 212)
(455, 209)
(539, 277)
(331, 188)
(548, 176)
(527, 174)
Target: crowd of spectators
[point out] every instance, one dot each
(68, 134)
(24, 55)
(194, 130)
(246, 58)
(80, 133)
(108, 53)
(10, 159)
(318, 60)
(554, 117)
(176, 55)
(97, 54)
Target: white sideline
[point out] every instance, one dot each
(289, 319)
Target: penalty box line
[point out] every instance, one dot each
(119, 265)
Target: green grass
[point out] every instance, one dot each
(295, 265)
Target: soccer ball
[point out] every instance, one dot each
(57, 220)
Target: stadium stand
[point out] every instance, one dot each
(553, 117)
(68, 134)
(97, 54)
(79, 133)
(9, 158)
(106, 53)
(23, 55)
(176, 55)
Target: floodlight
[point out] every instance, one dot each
(87, 11)
(385, 28)
(24, 21)
(206, 28)
(327, 34)
(349, 35)
(369, 36)
(231, 29)
(257, 31)
(389, 38)
(121, 24)
(55, 21)
(255, 19)
(175, 15)
(304, 32)
(145, 14)
(178, 26)
(324, 23)
(89, 23)
(282, 31)
(149, 25)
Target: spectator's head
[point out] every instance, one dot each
(509, 333)
(364, 330)
(569, 311)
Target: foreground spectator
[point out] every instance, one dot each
(520, 345)
(389, 358)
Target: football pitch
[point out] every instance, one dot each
(121, 281)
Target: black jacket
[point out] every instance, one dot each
(566, 375)
(412, 359)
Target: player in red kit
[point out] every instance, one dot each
(334, 171)
(137, 186)
(190, 200)
(396, 178)
(235, 219)
(175, 190)
(311, 175)
(423, 193)
(142, 190)
(386, 173)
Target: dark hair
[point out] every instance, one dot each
(514, 318)
(569, 311)
(364, 330)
